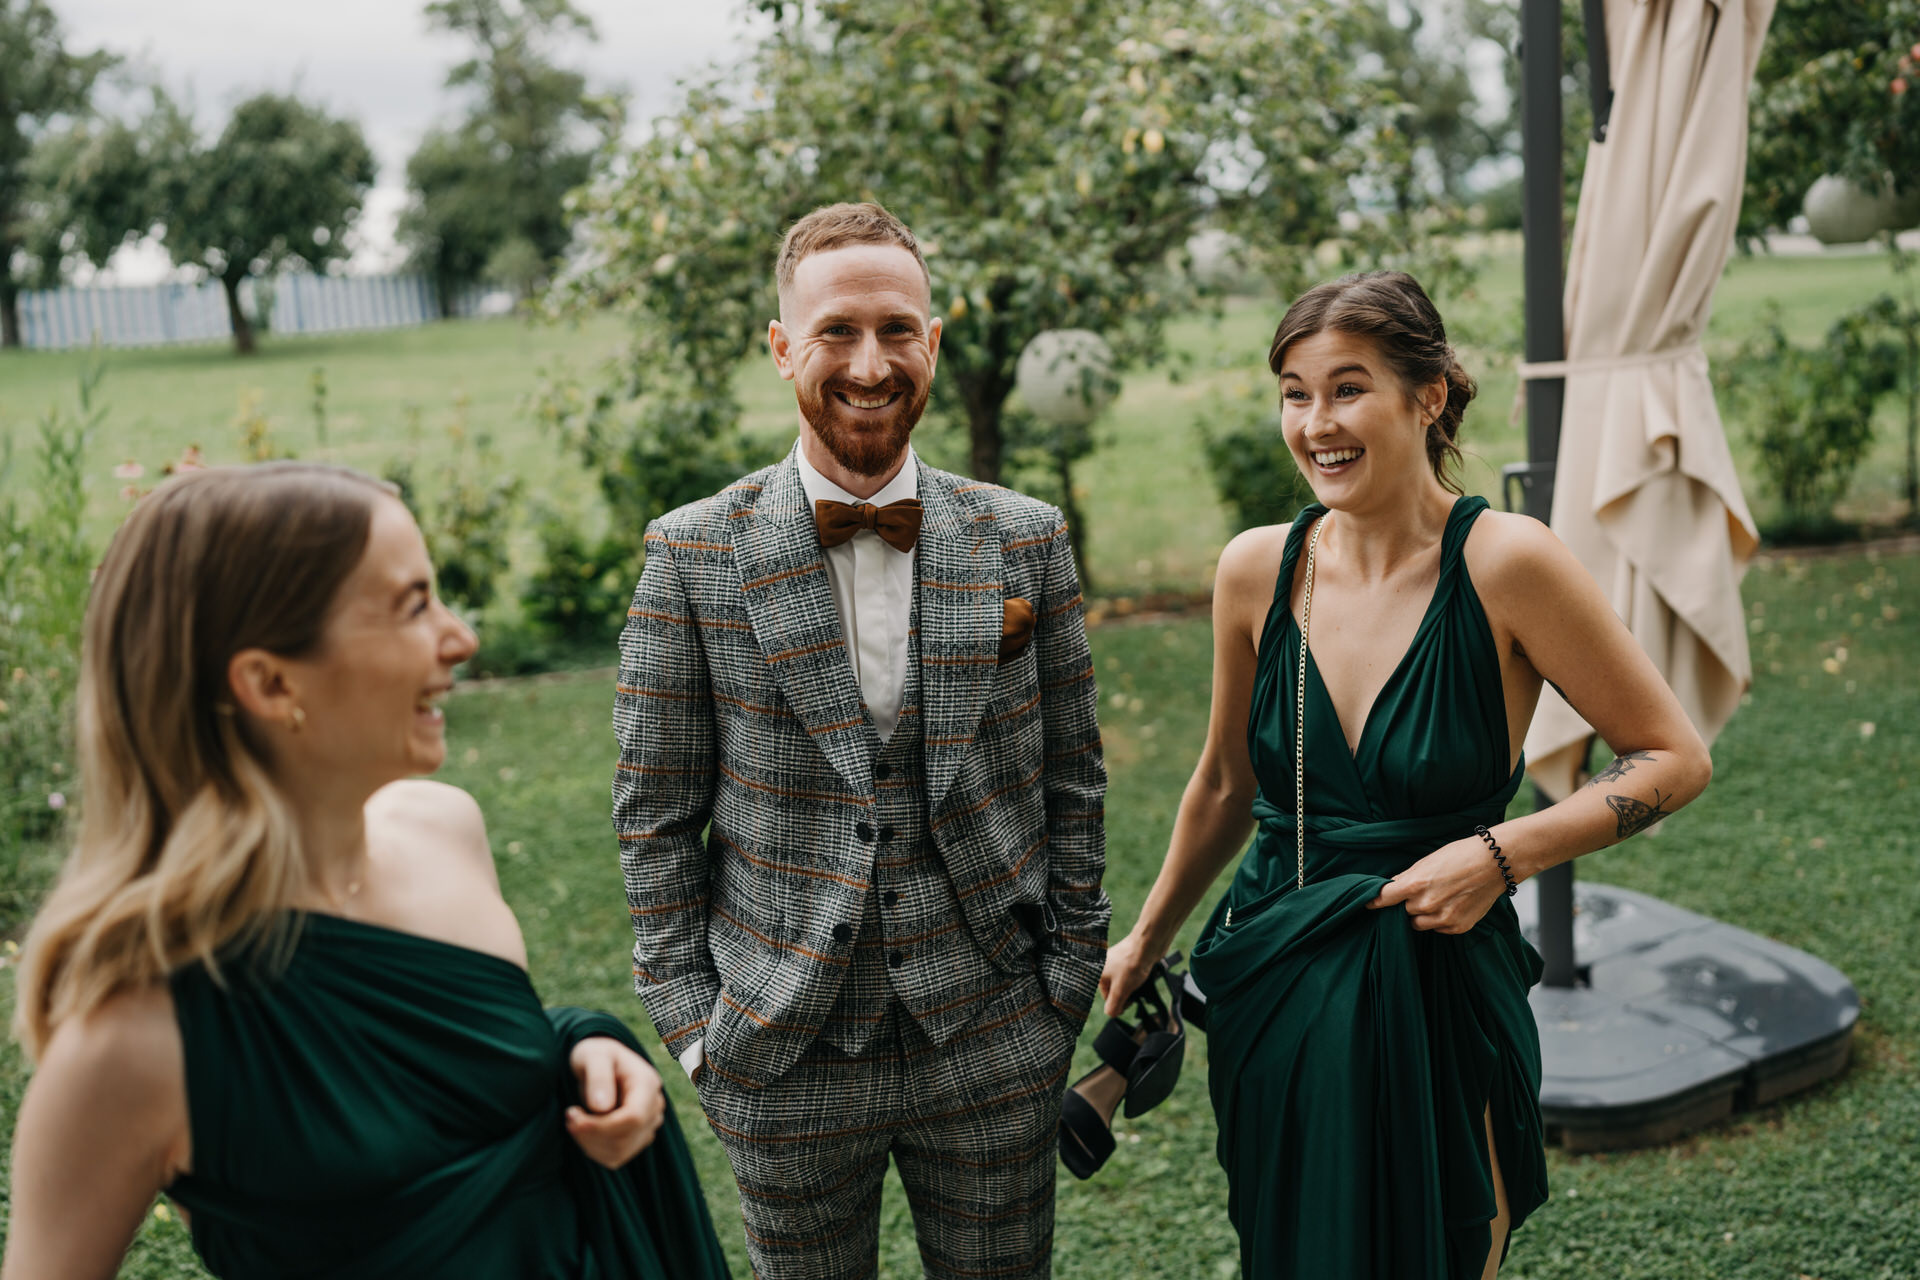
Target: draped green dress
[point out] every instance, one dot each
(1351, 1057)
(390, 1105)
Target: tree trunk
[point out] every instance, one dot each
(242, 328)
(9, 314)
(1076, 528)
(983, 429)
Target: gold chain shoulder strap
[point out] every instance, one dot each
(1300, 720)
(1300, 730)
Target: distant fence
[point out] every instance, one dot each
(294, 302)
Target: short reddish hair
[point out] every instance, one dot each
(838, 226)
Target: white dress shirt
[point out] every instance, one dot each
(873, 591)
(872, 588)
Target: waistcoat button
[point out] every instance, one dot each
(890, 898)
(843, 933)
(886, 834)
(864, 830)
(883, 771)
(896, 959)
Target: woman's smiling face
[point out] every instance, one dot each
(1356, 432)
(371, 692)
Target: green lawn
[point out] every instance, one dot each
(1808, 834)
(1151, 513)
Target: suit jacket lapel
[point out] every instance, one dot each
(789, 601)
(960, 591)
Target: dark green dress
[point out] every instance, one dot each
(1351, 1056)
(389, 1105)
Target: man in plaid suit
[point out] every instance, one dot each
(859, 802)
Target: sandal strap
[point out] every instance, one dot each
(1085, 1139)
(1116, 1046)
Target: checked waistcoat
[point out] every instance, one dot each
(911, 944)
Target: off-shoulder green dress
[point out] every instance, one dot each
(387, 1105)
(1351, 1057)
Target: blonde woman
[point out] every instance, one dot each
(278, 982)
(1373, 1061)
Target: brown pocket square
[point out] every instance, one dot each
(1016, 626)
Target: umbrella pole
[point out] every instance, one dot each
(1543, 230)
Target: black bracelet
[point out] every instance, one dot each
(1506, 872)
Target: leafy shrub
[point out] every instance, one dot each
(1809, 414)
(650, 453)
(467, 513)
(45, 569)
(579, 594)
(1252, 467)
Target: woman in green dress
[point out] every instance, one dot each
(277, 980)
(1374, 1066)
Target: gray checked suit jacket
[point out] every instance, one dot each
(746, 761)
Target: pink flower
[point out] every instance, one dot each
(1899, 84)
(55, 800)
(129, 470)
(132, 493)
(190, 460)
(1915, 52)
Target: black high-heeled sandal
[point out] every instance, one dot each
(1139, 1064)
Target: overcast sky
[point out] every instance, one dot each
(376, 62)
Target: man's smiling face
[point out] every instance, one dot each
(856, 339)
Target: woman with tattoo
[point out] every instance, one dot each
(1373, 1060)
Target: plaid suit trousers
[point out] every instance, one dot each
(972, 1126)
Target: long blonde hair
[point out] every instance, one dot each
(185, 845)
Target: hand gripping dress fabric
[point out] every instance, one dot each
(1352, 1057)
(388, 1105)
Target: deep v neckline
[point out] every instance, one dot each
(1399, 668)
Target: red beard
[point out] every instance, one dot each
(865, 444)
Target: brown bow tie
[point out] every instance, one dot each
(897, 522)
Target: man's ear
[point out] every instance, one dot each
(934, 328)
(781, 345)
(258, 682)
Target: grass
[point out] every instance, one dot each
(1154, 521)
(1808, 834)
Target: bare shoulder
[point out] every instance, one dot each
(1508, 553)
(430, 853)
(131, 1039)
(429, 807)
(1250, 563)
(123, 1065)
(432, 820)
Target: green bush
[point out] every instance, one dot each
(1252, 467)
(1809, 414)
(467, 512)
(579, 594)
(651, 452)
(45, 569)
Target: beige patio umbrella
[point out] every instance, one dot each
(1645, 492)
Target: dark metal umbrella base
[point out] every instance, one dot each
(1685, 1020)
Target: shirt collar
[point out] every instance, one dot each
(906, 484)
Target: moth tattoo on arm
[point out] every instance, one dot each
(1637, 815)
(1622, 765)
